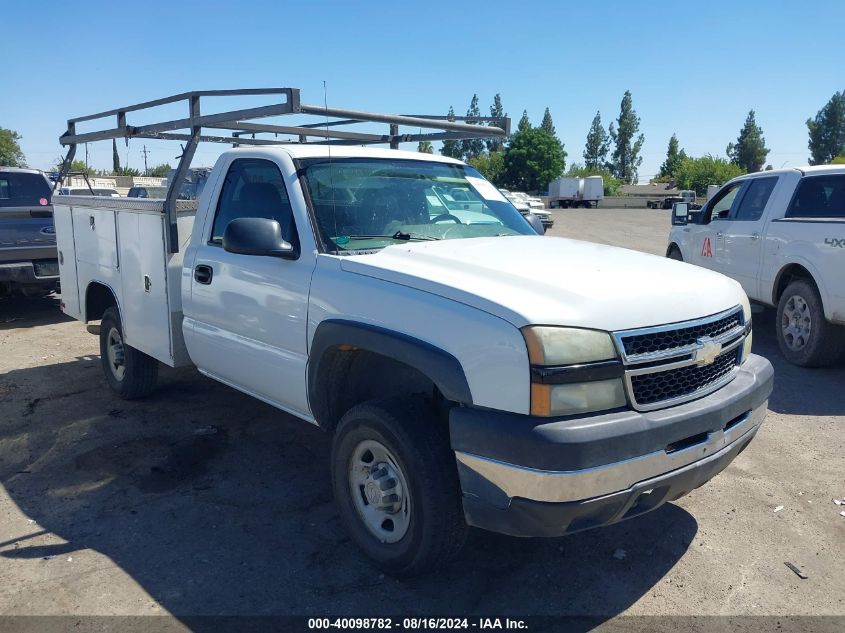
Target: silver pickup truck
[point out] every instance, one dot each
(28, 263)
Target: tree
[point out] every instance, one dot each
(78, 167)
(827, 131)
(547, 123)
(673, 158)
(125, 171)
(838, 160)
(425, 147)
(626, 155)
(472, 147)
(611, 185)
(11, 154)
(524, 122)
(598, 144)
(162, 171)
(490, 165)
(115, 158)
(697, 173)
(451, 147)
(496, 110)
(750, 150)
(532, 160)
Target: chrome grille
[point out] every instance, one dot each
(678, 362)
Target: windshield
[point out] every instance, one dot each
(367, 204)
(20, 189)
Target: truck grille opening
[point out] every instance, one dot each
(669, 339)
(685, 381)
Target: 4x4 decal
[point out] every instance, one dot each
(835, 242)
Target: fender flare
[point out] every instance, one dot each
(444, 370)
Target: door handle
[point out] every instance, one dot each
(203, 274)
(719, 235)
(755, 237)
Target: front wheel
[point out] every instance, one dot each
(396, 485)
(805, 337)
(675, 253)
(131, 374)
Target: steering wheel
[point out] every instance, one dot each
(445, 216)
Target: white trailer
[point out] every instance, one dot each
(566, 192)
(592, 191)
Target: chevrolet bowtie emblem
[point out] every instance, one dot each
(708, 351)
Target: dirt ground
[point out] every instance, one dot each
(201, 500)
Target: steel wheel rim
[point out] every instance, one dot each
(796, 323)
(379, 491)
(115, 354)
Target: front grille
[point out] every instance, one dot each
(658, 386)
(669, 339)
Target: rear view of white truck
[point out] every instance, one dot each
(459, 388)
(572, 192)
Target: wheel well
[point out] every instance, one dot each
(672, 247)
(98, 299)
(785, 277)
(349, 376)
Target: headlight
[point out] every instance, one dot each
(567, 346)
(580, 397)
(561, 357)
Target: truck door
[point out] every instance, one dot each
(739, 243)
(704, 236)
(248, 313)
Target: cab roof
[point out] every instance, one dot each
(317, 150)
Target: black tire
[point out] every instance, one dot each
(139, 371)
(675, 253)
(821, 343)
(408, 429)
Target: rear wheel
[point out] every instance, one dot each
(396, 485)
(805, 337)
(131, 374)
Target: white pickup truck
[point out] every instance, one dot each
(781, 234)
(460, 387)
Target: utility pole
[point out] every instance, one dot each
(145, 152)
(86, 158)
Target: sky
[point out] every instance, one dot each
(694, 69)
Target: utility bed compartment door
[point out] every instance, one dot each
(145, 311)
(95, 236)
(63, 222)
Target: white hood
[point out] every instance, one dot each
(554, 281)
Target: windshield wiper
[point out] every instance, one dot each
(399, 235)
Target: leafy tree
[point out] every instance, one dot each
(673, 158)
(827, 131)
(77, 166)
(611, 184)
(697, 173)
(425, 147)
(162, 171)
(532, 160)
(451, 147)
(496, 110)
(115, 158)
(626, 155)
(547, 123)
(838, 160)
(491, 166)
(524, 122)
(598, 144)
(750, 150)
(11, 154)
(472, 147)
(125, 171)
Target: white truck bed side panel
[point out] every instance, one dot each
(63, 221)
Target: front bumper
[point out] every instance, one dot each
(528, 476)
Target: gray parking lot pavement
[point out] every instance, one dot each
(201, 500)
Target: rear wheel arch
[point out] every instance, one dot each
(788, 274)
(673, 247)
(99, 297)
(351, 362)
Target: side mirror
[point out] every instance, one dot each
(257, 236)
(680, 213)
(535, 223)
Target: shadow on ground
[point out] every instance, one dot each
(22, 312)
(215, 503)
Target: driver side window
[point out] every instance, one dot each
(722, 203)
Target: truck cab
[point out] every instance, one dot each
(779, 234)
